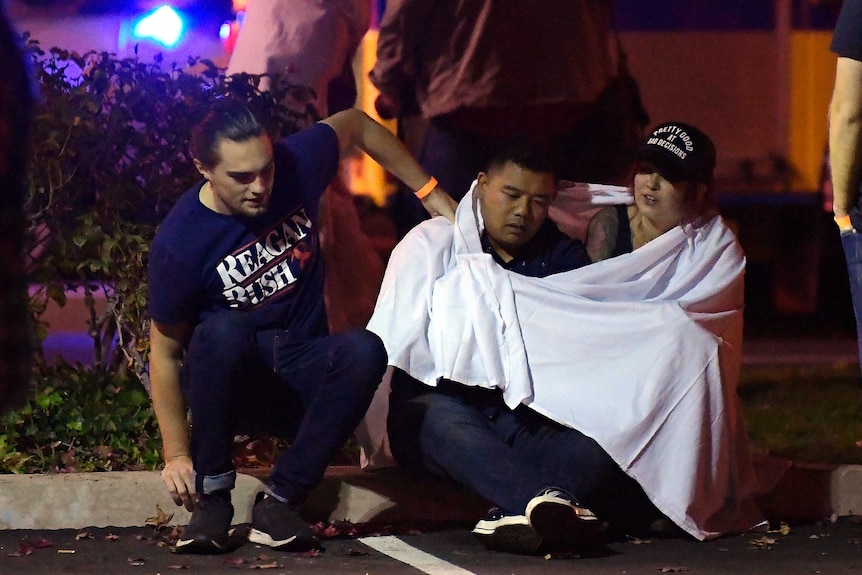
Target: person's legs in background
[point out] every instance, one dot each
(852, 243)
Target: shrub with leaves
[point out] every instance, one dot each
(81, 420)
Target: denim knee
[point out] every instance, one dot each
(448, 421)
(364, 352)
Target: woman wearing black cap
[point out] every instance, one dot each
(671, 186)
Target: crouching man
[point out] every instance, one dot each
(239, 333)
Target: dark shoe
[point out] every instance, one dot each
(207, 532)
(561, 522)
(278, 525)
(501, 531)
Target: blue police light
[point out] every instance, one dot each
(224, 31)
(164, 25)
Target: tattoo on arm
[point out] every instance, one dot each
(602, 234)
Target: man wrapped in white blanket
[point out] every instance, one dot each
(638, 353)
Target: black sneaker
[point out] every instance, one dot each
(278, 525)
(561, 522)
(501, 531)
(207, 532)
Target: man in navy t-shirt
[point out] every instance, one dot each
(239, 335)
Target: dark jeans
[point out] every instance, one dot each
(852, 242)
(506, 456)
(312, 390)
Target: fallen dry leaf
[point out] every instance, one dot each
(357, 553)
(264, 557)
(112, 537)
(26, 548)
(762, 542)
(83, 535)
(160, 520)
(273, 565)
(178, 566)
(234, 561)
(557, 555)
(311, 553)
(41, 542)
(22, 551)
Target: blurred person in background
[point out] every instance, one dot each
(309, 42)
(845, 146)
(16, 103)
(479, 70)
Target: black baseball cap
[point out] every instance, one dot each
(679, 151)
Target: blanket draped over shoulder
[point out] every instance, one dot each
(640, 352)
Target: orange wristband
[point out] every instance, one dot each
(426, 189)
(844, 223)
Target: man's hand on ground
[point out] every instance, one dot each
(179, 476)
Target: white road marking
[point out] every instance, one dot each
(425, 562)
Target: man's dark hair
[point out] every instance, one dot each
(226, 118)
(535, 154)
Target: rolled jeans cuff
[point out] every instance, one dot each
(208, 484)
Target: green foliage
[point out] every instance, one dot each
(81, 420)
(806, 415)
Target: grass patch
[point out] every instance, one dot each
(811, 415)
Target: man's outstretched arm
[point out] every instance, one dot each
(356, 128)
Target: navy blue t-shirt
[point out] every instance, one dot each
(847, 39)
(549, 252)
(269, 267)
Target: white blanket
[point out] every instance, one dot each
(640, 352)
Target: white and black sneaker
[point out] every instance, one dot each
(207, 532)
(561, 521)
(278, 525)
(501, 531)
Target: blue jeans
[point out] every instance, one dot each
(852, 243)
(314, 391)
(507, 456)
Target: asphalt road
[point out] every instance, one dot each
(808, 549)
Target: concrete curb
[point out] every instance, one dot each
(128, 499)
(789, 492)
(807, 492)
